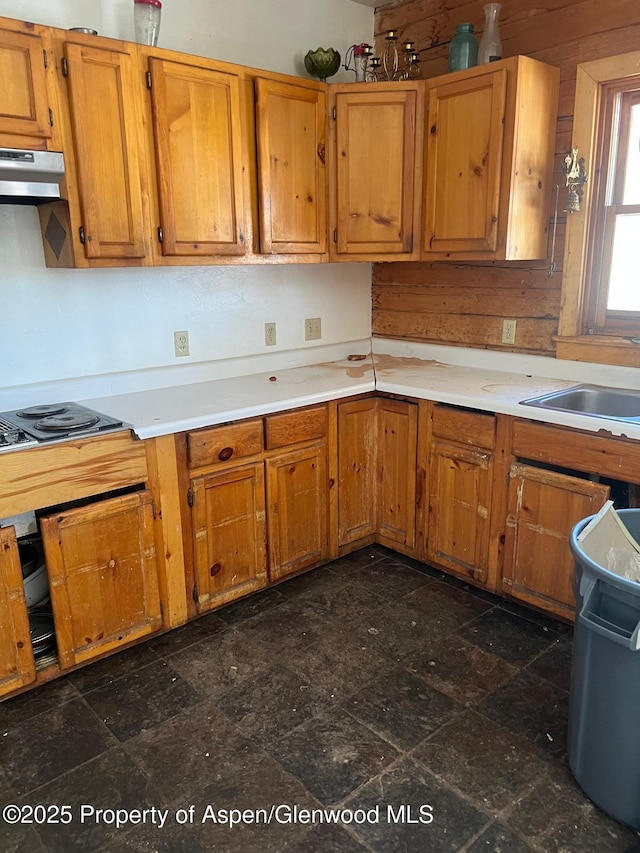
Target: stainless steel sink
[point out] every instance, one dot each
(621, 404)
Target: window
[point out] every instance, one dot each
(600, 314)
(613, 305)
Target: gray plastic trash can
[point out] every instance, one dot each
(604, 705)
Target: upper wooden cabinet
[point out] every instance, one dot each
(375, 173)
(25, 116)
(489, 140)
(292, 184)
(221, 163)
(109, 149)
(102, 223)
(198, 158)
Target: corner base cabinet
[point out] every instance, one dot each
(377, 473)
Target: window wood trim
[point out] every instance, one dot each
(571, 342)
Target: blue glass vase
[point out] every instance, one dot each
(463, 48)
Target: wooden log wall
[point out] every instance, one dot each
(466, 303)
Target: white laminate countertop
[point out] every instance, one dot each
(162, 411)
(166, 410)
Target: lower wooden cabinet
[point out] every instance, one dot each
(17, 663)
(103, 577)
(459, 500)
(544, 506)
(102, 550)
(396, 466)
(357, 435)
(297, 510)
(460, 475)
(256, 501)
(259, 497)
(229, 534)
(377, 473)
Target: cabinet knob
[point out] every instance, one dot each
(321, 152)
(225, 453)
(111, 564)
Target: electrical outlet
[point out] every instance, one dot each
(508, 331)
(181, 343)
(313, 329)
(270, 334)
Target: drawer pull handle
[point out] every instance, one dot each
(215, 569)
(225, 453)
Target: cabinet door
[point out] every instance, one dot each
(543, 508)
(107, 136)
(297, 510)
(357, 435)
(459, 501)
(397, 470)
(103, 577)
(24, 105)
(17, 665)
(290, 123)
(197, 127)
(464, 151)
(375, 165)
(229, 534)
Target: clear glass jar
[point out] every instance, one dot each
(490, 44)
(463, 48)
(146, 20)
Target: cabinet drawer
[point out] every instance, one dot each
(463, 427)
(570, 448)
(293, 427)
(224, 443)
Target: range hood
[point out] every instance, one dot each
(30, 177)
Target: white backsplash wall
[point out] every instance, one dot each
(58, 324)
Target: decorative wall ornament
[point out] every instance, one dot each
(575, 178)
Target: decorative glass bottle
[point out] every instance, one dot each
(146, 20)
(463, 48)
(490, 44)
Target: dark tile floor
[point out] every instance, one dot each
(433, 713)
